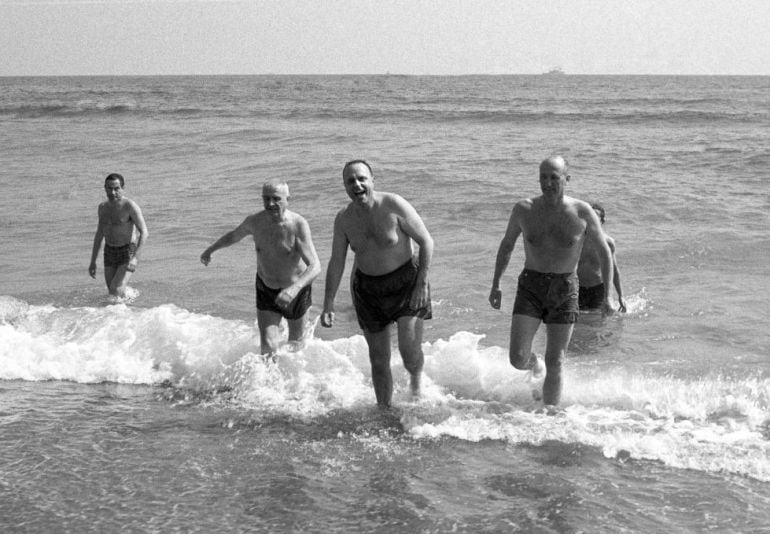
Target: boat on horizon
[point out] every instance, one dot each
(555, 71)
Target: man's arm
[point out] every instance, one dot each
(233, 236)
(504, 251)
(141, 226)
(98, 237)
(334, 271)
(308, 254)
(412, 225)
(595, 233)
(616, 275)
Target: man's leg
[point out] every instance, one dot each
(410, 346)
(109, 275)
(523, 330)
(269, 331)
(558, 336)
(297, 330)
(119, 281)
(379, 358)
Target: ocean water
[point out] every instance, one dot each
(159, 415)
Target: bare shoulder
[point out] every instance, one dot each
(582, 207)
(255, 222)
(394, 202)
(297, 221)
(132, 205)
(523, 206)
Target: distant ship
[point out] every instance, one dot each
(556, 71)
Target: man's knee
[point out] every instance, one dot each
(413, 358)
(520, 359)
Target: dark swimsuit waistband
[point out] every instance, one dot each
(408, 265)
(533, 272)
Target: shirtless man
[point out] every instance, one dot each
(287, 264)
(388, 284)
(119, 217)
(589, 272)
(554, 227)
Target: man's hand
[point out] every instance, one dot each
(131, 267)
(495, 297)
(607, 308)
(419, 297)
(327, 318)
(92, 270)
(206, 257)
(286, 297)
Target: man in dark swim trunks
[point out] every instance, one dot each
(287, 264)
(590, 273)
(119, 220)
(554, 228)
(388, 284)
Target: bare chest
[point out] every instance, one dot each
(114, 216)
(373, 232)
(276, 241)
(563, 230)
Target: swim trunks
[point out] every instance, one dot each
(295, 310)
(550, 297)
(591, 298)
(380, 300)
(117, 256)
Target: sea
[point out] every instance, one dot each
(157, 413)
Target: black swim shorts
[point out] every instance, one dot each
(117, 256)
(550, 297)
(591, 298)
(380, 300)
(266, 301)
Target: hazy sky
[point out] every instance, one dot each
(76, 37)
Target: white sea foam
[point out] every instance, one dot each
(470, 391)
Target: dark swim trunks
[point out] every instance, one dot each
(591, 298)
(117, 256)
(266, 301)
(551, 297)
(380, 300)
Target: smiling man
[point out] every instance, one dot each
(555, 228)
(287, 264)
(120, 219)
(388, 283)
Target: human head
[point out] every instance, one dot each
(115, 176)
(113, 187)
(599, 209)
(357, 161)
(275, 197)
(554, 175)
(358, 180)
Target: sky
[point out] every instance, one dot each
(438, 37)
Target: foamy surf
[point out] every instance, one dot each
(470, 392)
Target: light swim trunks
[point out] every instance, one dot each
(550, 297)
(117, 256)
(380, 300)
(295, 310)
(591, 298)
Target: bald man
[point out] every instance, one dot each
(287, 264)
(554, 229)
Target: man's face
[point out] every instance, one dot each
(553, 179)
(275, 200)
(114, 190)
(359, 184)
